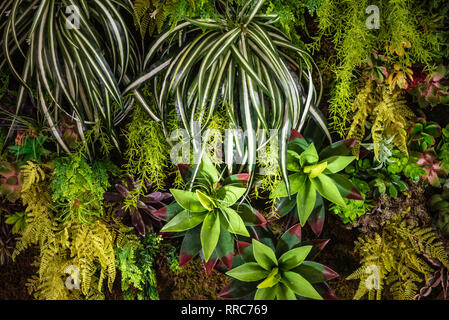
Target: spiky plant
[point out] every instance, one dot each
(135, 199)
(237, 59)
(72, 57)
(282, 269)
(211, 216)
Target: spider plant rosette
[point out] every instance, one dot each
(240, 61)
(72, 58)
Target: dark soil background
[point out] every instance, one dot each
(14, 276)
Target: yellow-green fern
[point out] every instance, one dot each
(398, 259)
(87, 248)
(149, 15)
(385, 112)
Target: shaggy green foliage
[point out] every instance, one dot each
(353, 208)
(33, 149)
(153, 15)
(78, 187)
(385, 113)
(135, 261)
(292, 15)
(173, 260)
(87, 249)
(147, 154)
(384, 180)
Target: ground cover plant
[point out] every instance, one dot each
(224, 149)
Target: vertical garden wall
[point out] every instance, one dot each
(224, 149)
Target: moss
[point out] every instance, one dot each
(191, 284)
(413, 201)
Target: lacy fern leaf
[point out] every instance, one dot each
(385, 112)
(400, 258)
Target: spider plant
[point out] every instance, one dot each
(67, 68)
(241, 61)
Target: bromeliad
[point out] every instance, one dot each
(265, 271)
(315, 176)
(209, 214)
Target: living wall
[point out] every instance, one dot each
(227, 149)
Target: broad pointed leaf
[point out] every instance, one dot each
(284, 293)
(327, 188)
(210, 232)
(184, 221)
(315, 170)
(264, 255)
(267, 293)
(299, 285)
(296, 181)
(339, 148)
(309, 156)
(273, 278)
(228, 195)
(188, 200)
(338, 163)
(249, 215)
(237, 289)
(294, 257)
(237, 180)
(290, 239)
(225, 248)
(315, 272)
(208, 168)
(282, 207)
(346, 187)
(191, 245)
(206, 201)
(306, 199)
(248, 272)
(316, 218)
(168, 212)
(232, 222)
